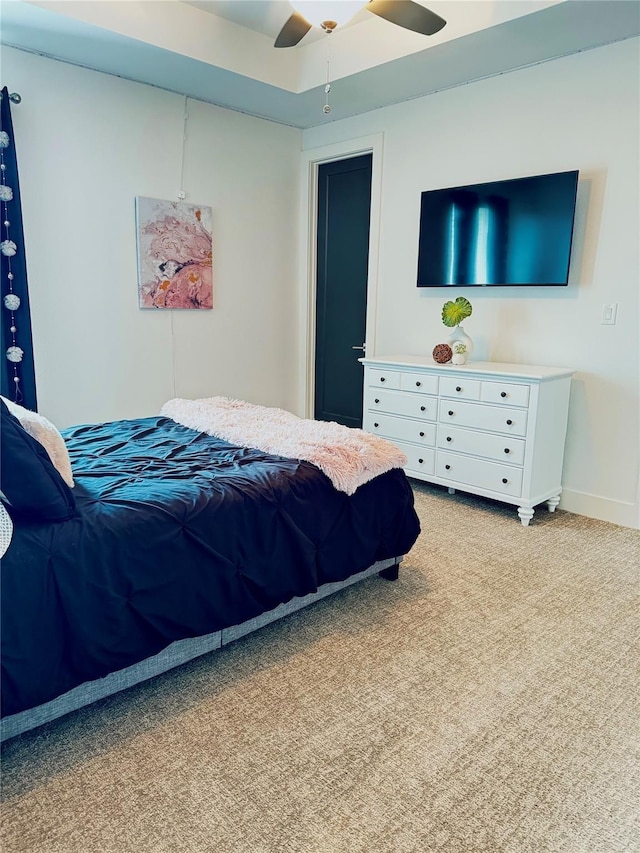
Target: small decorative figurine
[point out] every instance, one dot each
(459, 353)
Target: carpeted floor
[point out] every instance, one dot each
(487, 702)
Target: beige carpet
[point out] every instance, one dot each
(487, 701)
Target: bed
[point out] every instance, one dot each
(175, 543)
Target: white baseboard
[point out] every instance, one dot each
(604, 509)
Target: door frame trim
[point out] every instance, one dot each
(311, 160)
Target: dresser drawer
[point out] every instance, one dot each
(400, 428)
(420, 460)
(480, 416)
(505, 393)
(465, 389)
(497, 447)
(383, 378)
(491, 476)
(398, 403)
(419, 383)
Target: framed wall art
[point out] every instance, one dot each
(175, 254)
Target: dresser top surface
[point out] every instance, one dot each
(486, 368)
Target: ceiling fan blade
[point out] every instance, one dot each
(407, 14)
(293, 31)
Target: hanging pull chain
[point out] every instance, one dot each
(327, 89)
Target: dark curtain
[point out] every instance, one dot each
(18, 372)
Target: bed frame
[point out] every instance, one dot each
(174, 655)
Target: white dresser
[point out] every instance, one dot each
(492, 429)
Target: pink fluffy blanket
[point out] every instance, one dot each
(349, 457)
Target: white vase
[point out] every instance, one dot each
(459, 334)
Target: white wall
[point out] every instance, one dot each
(88, 143)
(579, 112)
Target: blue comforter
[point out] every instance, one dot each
(178, 534)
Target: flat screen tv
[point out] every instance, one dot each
(515, 232)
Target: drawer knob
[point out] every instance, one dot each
(506, 450)
(503, 393)
(420, 461)
(448, 467)
(418, 384)
(448, 438)
(423, 408)
(458, 388)
(376, 400)
(509, 422)
(376, 425)
(504, 480)
(382, 379)
(450, 412)
(421, 435)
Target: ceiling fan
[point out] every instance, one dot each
(328, 15)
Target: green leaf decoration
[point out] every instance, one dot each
(453, 313)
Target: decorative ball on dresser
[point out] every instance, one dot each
(442, 353)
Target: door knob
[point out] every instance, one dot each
(363, 348)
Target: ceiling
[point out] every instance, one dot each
(221, 51)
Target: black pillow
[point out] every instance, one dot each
(32, 486)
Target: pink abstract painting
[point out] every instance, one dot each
(175, 254)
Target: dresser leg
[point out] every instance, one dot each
(553, 502)
(451, 491)
(526, 514)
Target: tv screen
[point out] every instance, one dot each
(515, 232)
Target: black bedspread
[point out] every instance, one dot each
(178, 534)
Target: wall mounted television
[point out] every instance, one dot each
(516, 232)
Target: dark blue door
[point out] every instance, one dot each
(344, 209)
